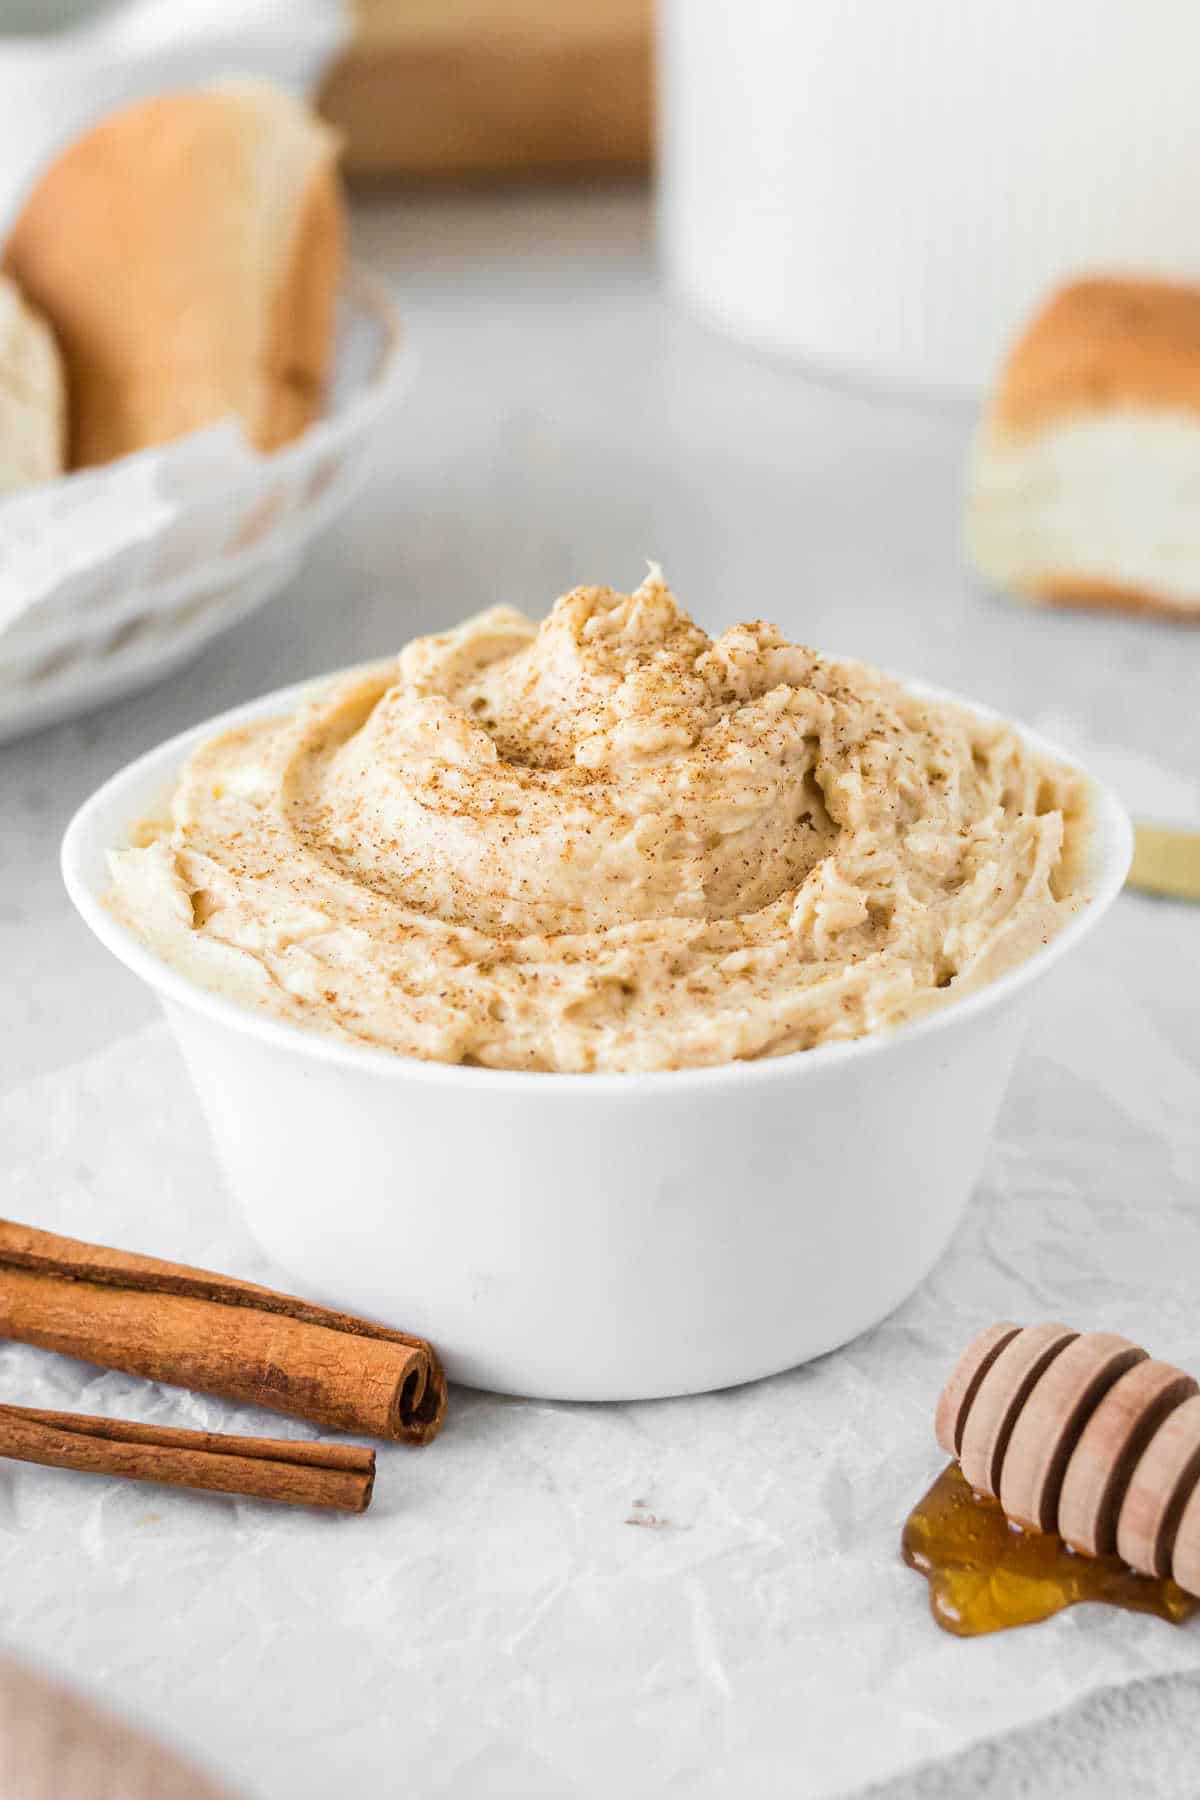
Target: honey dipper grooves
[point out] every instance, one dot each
(1086, 1435)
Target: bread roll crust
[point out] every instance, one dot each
(1086, 593)
(300, 336)
(1091, 444)
(1102, 343)
(186, 251)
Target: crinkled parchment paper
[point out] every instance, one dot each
(95, 525)
(696, 1597)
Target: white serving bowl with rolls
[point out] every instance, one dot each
(594, 1236)
(197, 409)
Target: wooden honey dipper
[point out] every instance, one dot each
(1084, 1434)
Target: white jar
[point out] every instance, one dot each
(892, 187)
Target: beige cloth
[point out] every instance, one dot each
(56, 1746)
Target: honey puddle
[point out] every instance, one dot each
(986, 1575)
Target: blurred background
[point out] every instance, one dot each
(718, 285)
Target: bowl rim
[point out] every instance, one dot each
(1110, 850)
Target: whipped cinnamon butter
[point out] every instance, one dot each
(607, 841)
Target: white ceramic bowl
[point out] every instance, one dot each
(594, 1237)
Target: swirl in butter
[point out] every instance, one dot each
(606, 842)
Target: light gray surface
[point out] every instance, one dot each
(567, 424)
(1140, 1742)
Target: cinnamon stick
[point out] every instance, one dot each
(196, 1329)
(340, 1476)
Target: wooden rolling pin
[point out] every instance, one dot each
(1084, 1434)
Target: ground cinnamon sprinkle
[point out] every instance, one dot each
(534, 847)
